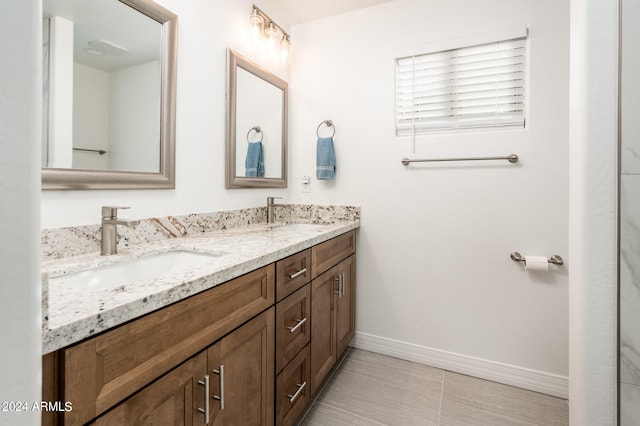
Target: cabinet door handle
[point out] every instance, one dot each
(298, 392)
(220, 372)
(340, 279)
(205, 411)
(297, 274)
(299, 323)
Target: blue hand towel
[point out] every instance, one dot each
(254, 163)
(325, 159)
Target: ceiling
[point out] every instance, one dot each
(299, 11)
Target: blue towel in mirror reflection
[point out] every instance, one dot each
(325, 159)
(254, 163)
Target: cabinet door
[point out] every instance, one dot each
(323, 327)
(345, 304)
(174, 399)
(241, 367)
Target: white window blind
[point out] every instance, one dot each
(466, 88)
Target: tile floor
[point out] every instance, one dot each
(372, 389)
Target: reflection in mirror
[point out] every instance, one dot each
(256, 126)
(108, 95)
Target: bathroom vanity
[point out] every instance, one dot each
(250, 348)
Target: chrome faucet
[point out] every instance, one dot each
(110, 224)
(271, 216)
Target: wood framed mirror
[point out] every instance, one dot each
(257, 126)
(109, 95)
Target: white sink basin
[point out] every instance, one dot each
(130, 271)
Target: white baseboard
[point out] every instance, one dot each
(538, 381)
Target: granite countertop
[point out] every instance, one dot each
(71, 314)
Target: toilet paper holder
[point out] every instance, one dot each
(555, 259)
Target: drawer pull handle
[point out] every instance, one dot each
(205, 411)
(298, 392)
(297, 274)
(299, 323)
(220, 372)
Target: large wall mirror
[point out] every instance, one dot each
(108, 94)
(256, 148)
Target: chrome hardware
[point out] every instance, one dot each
(110, 221)
(271, 217)
(297, 274)
(340, 279)
(300, 386)
(299, 323)
(512, 158)
(555, 259)
(206, 410)
(220, 372)
(327, 123)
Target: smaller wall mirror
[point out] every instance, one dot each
(256, 140)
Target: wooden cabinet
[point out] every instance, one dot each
(104, 370)
(242, 376)
(249, 351)
(332, 304)
(345, 304)
(239, 372)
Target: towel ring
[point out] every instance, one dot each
(257, 130)
(327, 123)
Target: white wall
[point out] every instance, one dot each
(20, 125)
(434, 273)
(205, 30)
(90, 117)
(134, 120)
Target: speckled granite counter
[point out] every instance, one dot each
(71, 314)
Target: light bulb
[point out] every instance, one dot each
(272, 34)
(284, 48)
(257, 24)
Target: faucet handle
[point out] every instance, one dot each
(270, 199)
(111, 212)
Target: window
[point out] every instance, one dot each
(467, 88)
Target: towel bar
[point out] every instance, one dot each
(512, 158)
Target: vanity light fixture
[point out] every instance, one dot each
(271, 32)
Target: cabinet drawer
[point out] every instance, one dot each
(292, 273)
(292, 325)
(293, 391)
(328, 254)
(106, 369)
